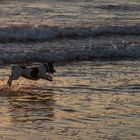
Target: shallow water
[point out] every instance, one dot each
(86, 100)
(69, 12)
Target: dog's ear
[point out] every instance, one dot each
(52, 70)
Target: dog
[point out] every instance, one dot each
(43, 71)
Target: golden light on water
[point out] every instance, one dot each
(71, 105)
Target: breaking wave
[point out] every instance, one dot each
(132, 51)
(120, 7)
(44, 33)
(73, 52)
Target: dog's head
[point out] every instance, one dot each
(50, 67)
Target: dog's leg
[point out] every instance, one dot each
(14, 76)
(9, 82)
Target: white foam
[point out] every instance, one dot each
(39, 33)
(132, 51)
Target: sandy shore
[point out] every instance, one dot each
(86, 101)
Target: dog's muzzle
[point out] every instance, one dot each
(52, 71)
(50, 78)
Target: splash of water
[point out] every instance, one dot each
(15, 89)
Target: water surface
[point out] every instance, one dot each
(86, 100)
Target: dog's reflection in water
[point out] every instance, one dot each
(31, 104)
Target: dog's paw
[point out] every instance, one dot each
(50, 79)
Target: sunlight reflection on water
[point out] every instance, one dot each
(86, 100)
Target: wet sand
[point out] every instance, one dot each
(87, 100)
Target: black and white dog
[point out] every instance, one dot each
(43, 71)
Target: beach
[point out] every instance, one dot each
(95, 48)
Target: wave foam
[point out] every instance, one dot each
(132, 51)
(39, 33)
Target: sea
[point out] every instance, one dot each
(67, 30)
(95, 48)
